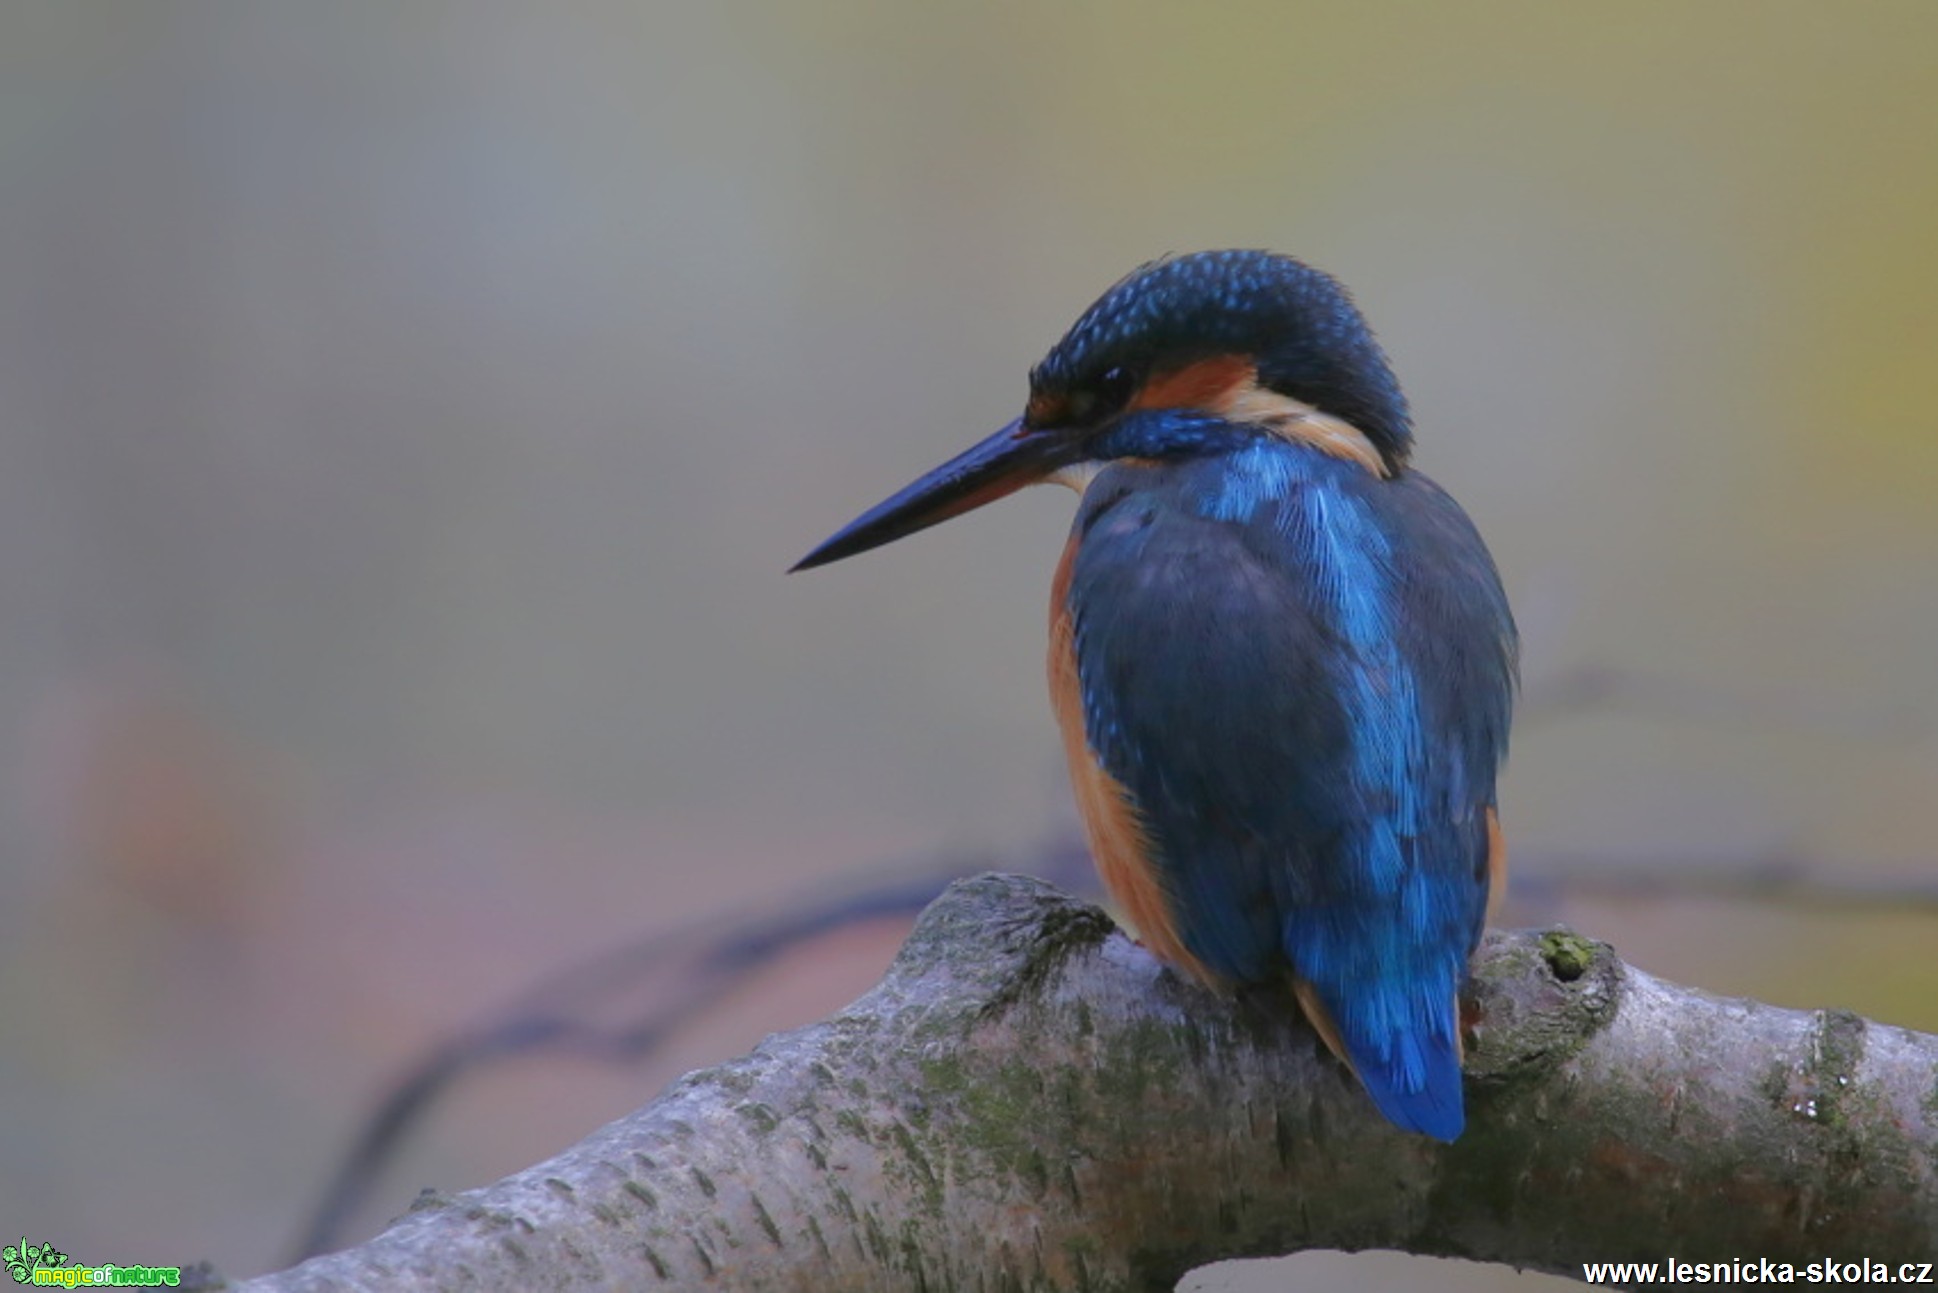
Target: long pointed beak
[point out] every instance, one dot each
(1012, 458)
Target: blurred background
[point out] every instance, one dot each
(407, 412)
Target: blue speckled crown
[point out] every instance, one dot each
(1297, 323)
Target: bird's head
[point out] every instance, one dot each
(1181, 356)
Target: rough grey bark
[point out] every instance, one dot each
(1027, 1101)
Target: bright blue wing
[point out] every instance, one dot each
(1302, 674)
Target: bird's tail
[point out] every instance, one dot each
(1412, 1072)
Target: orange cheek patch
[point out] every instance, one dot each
(1227, 387)
(1210, 384)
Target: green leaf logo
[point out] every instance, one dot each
(23, 1258)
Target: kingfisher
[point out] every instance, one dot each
(1281, 659)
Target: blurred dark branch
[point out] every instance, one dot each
(1606, 689)
(657, 985)
(1028, 1101)
(1544, 881)
(625, 1004)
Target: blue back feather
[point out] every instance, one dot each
(1302, 673)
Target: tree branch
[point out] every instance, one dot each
(1027, 1101)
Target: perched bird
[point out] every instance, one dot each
(1281, 659)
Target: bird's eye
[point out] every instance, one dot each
(1114, 389)
(1100, 399)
